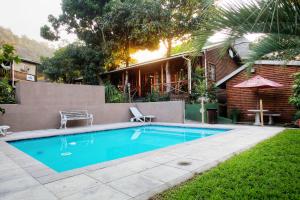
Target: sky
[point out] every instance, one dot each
(25, 17)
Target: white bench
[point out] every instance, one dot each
(271, 115)
(66, 116)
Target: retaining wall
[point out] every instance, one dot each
(39, 105)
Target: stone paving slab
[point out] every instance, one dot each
(138, 165)
(17, 184)
(160, 157)
(165, 173)
(135, 185)
(32, 193)
(186, 164)
(109, 174)
(98, 192)
(135, 177)
(69, 186)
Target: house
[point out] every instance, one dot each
(24, 70)
(275, 100)
(176, 78)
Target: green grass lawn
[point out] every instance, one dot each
(270, 170)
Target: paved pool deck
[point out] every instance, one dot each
(135, 177)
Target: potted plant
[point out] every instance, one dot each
(235, 114)
(295, 98)
(297, 118)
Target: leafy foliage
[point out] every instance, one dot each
(6, 92)
(112, 94)
(278, 20)
(115, 27)
(72, 62)
(200, 89)
(7, 55)
(297, 115)
(181, 18)
(199, 85)
(295, 98)
(130, 25)
(79, 17)
(184, 47)
(25, 47)
(155, 96)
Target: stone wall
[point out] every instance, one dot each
(39, 105)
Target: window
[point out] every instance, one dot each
(212, 72)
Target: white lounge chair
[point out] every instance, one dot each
(138, 116)
(3, 130)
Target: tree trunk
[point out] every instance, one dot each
(168, 74)
(127, 58)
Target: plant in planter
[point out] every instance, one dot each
(235, 114)
(295, 98)
(297, 117)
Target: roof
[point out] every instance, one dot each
(22, 60)
(259, 62)
(241, 46)
(29, 61)
(179, 55)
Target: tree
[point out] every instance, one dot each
(7, 56)
(179, 20)
(184, 47)
(131, 25)
(278, 20)
(80, 17)
(72, 62)
(115, 27)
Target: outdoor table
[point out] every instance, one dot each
(257, 116)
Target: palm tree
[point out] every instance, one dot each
(278, 20)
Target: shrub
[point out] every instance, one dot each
(6, 92)
(297, 115)
(200, 89)
(295, 98)
(155, 96)
(112, 94)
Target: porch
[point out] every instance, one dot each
(169, 75)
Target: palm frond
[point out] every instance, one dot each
(277, 19)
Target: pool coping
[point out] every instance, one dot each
(28, 161)
(46, 176)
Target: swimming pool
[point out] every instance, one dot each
(67, 152)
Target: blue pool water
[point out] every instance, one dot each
(63, 153)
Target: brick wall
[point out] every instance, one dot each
(224, 64)
(275, 100)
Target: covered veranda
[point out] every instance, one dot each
(156, 75)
